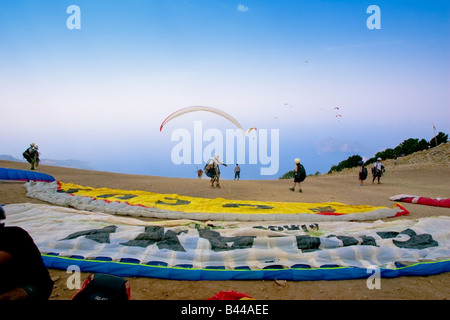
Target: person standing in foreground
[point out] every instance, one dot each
(377, 170)
(23, 275)
(299, 175)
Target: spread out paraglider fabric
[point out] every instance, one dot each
(192, 250)
(173, 206)
(436, 202)
(15, 175)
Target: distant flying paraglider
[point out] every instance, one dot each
(338, 115)
(200, 108)
(251, 130)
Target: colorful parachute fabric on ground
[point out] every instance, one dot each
(173, 206)
(436, 202)
(191, 250)
(15, 175)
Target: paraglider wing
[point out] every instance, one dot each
(200, 108)
(16, 175)
(314, 250)
(251, 130)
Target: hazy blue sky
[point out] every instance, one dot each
(100, 93)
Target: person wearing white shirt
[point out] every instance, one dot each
(377, 170)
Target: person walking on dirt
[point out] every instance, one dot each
(299, 175)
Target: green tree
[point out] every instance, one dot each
(409, 146)
(386, 154)
(422, 145)
(437, 140)
(350, 162)
(288, 175)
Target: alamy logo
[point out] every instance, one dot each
(373, 281)
(74, 20)
(374, 21)
(259, 146)
(74, 280)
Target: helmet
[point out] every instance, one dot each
(297, 160)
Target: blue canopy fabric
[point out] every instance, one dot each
(16, 175)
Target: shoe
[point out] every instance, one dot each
(292, 189)
(300, 191)
(217, 185)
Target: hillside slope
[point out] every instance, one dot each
(431, 158)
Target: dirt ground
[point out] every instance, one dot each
(424, 178)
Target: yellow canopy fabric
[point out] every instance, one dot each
(185, 204)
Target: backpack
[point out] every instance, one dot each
(301, 172)
(364, 173)
(27, 155)
(103, 287)
(211, 172)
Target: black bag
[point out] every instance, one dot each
(364, 173)
(300, 175)
(103, 287)
(27, 156)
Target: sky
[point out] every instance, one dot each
(96, 82)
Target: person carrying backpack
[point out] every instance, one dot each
(362, 173)
(212, 170)
(299, 175)
(377, 170)
(32, 156)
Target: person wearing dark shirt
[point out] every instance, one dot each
(32, 156)
(299, 175)
(23, 275)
